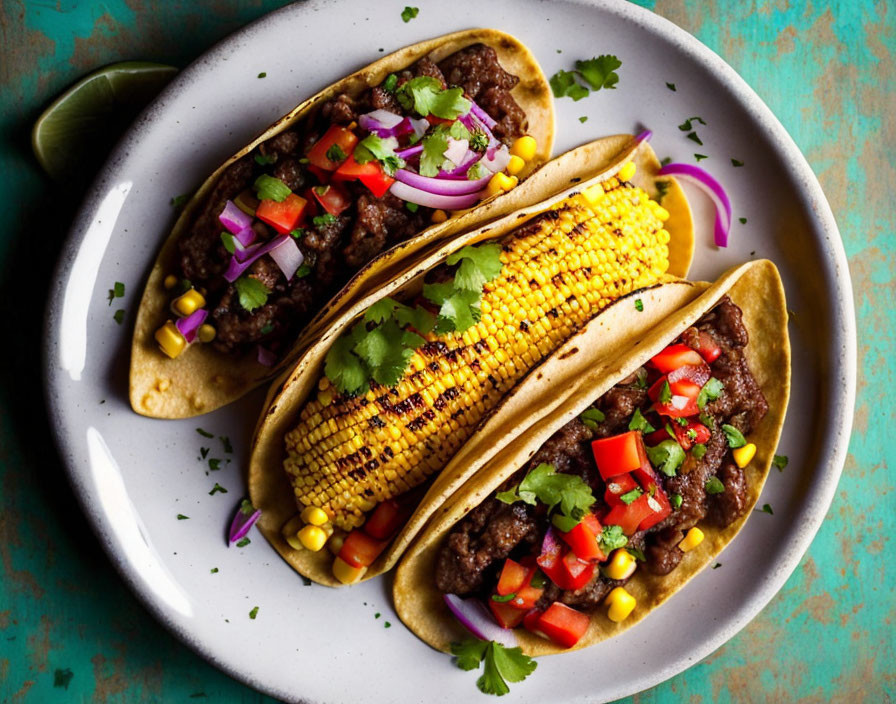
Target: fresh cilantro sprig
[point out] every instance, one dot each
(639, 422)
(544, 484)
(502, 664)
(271, 188)
(252, 293)
(432, 158)
(382, 149)
(592, 417)
(612, 537)
(593, 74)
(711, 390)
(425, 96)
(667, 457)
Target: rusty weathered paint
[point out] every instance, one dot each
(825, 68)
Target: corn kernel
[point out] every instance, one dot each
(170, 281)
(744, 455)
(312, 538)
(622, 564)
(315, 516)
(524, 147)
(206, 332)
(621, 604)
(691, 540)
(627, 171)
(439, 216)
(170, 339)
(345, 573)
(188, 303)
(334, 544)
(515, 165)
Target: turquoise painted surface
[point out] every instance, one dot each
(825, 68)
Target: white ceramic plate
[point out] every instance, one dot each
(134, 475)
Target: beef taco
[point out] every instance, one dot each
(620, 493)
(412, 388)
(349, 185)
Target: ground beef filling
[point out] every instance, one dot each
(333, 251)
(472, 556)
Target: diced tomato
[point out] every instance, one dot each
(683, 402)
(549, 562)
(675, 356)
(513, 577)
(660, 500)
(385, 519)
(629, 517)
(690, 434)
(576, 568)
(506, 615)
(530, 621)
(556, 569)
(312, 208)
(370, 174)
(343, 137)
(699, 374)
(617, 486)
(333, 199)
(708, 347)
(656, 437)
(284, 216)
(584, 539)
(360, 550)
(617, 454)
(563, 625)
(527, 596)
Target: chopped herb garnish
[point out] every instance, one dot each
(639, 305)
(700, 157)
(544, 484)
(665, 392)
(409, 13)
(180, 201)
(246, 507)
(639, 422)
(591, 417)
(263, 74)
(479, 143)
(265, 159)
(477, 171)
(502, 664)
(641, 378)
(698, 451)
(600, 72)
(426, 96)
(667, 457)
(335, 153)
(694, 138)
(631, 496)
(267, 329)
(707, 420)
(503, 599)
(411, 207)
(253, 613)
(683, 422)
(214, 464)
(243, 543)
(214, 570)
(323, 220)
(612, 537)
(714, 486)
(662, 188)
(303, 271)
(118, 316)
(62, 678)
(717, 565)
(182, 517)
(768, 509)
(583, 119)
(217, 489)
(735, 437)
(271, 188)
(252, 293)
(711, 390)
(203, 452)
(387, 624)
(117, 291)
(377, 614)
(298, 233)
(736, 162)
(780, 461)
(743, 221)
(432, 159)
(205, 433)
(671, 86)
(675, 501)
(564, 85)
(227, 241)
(636, 553)
(686, 125)
(390, 83)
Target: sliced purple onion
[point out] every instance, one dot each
(233, 218)
(243, 520)
(288, 257)
(419, 125)
(409, 152)
(379, 119)
(243, 259)
(474, 616)
(441, 186)
(496, 158)
(549, 543)
(643, 136)
(460, 171)
(457, 150)
(432, 200)
(482, 116)
(246, 236)
(189, 325)
(475, 125)
(712, 188)
(265, 357)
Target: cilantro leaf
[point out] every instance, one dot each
(631, 496)
(458, 130)
(432, 157)
(735, 437)
(265, 159)
(714, 486)
(252, 293)
(469, 653)
(612, 537)
(639, 305)
(246, 507)
(381, 310)
(205, 433)
(666, 457)
(380, 148)
(639, 422)
(544, 484)
(243, 543)
(346, 370)
(118, 316)
(600, 72)
(686, 125)
(564, 85)
(665, 392)
(180, 201)
(491, 681)
(426, 96)
(459, 312)
(336, 153)
(512, 664)
(418, 318)
(478, 265)
(710, 392)
(438, 293)
(409, 13)
(698, 451)
(216, 489)
(502, 664)
(227, 241)
(736, 162)
(700, 157)
(671, 86)
(253, 613)
(271, 188)
(591, 417)
(768, 509)
(780, 461)
(117, 291)
(390, 83)
(675, 500)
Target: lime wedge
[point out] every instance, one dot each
(78, 129)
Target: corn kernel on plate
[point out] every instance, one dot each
(133, 475)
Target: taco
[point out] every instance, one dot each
(297, 223)
(616, 496)
(368, 421)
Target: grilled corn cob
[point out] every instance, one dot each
(349, 453)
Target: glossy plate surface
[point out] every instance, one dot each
(134, 475)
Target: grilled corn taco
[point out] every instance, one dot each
(618, 494)
(377, 424)
(334, 196)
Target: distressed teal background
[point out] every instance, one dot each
(827, 70)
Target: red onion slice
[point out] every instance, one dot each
(549, 542)
(189, 325)
(441, 186)
(288, 257)
(712, 188)
(265, 357)
(419, 126)
(461, 170)
(643, 136)
(243, 259)
(432, 200)
(246, 236)
(409, 152)
(234, 219)
(496, 159)
(482, 115)
(474, 616)
(243, 520)
(457, 150)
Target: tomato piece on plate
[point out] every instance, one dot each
(563, 625)
(370, 174)
(333, 199)
(617, 454)
(617, 486)
(513, 577)
(584, 539)
(675, 356)
(283, 216)
(506, 615)
(336, 136)
(385, 520)
(360, 550)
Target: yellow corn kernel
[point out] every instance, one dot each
(627, 171)
(744, 455)
(514, 182)
(206, 332)
(525, 148)
(315, 516)
(621, 604)
(170, 281)
(515, 165)
(188, 303)
(334, 544)
(290, 532)
(439, 216)
(312, 538)
(660, 211)
(622, 564)
(691, 540)
(170, 339)
(345, 573)
(499, 183)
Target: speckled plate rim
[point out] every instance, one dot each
(840, 399)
